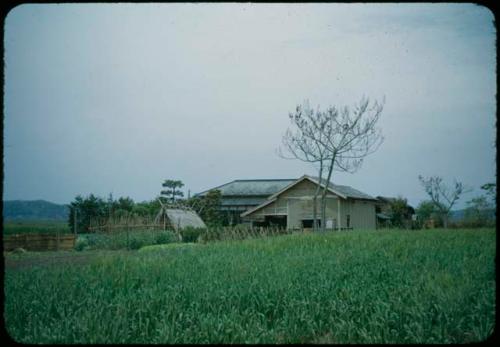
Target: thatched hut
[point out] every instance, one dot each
(177, 218)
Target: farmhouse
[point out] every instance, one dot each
(289, 203)
(292, 207)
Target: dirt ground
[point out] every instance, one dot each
(13, 261)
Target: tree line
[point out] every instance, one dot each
(436, 211)
(92, 207)
(480, 211)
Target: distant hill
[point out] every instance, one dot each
(34, 210)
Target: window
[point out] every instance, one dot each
(308, 223)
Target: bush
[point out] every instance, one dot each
(104, 241)
(165, 237)
(81, 244)
(415, 225)
(134, 239)
(136, 243)
(191, 234)
(144, 238)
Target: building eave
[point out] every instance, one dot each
(264, 204)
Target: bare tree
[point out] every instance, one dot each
(338, 138)
(304, 142)
(442, 196)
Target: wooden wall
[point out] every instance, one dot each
(297, 204)
(39, 242)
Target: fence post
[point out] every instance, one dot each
(153, 232)
(74, 220)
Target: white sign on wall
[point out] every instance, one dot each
(329, 224)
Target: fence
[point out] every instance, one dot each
(39, 242)
(126, 232)
(123, 223)
(133, 236)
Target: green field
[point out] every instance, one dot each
(427, 286)
(40, 226)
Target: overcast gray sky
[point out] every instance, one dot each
(104, 98)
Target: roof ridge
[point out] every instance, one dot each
(266, 179)
(334, 184)
(323, 179)
(341, 186)
(215, 188)
(248, 180)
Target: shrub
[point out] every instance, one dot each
(191, 234)
(93, 240)
(136, 243)
(81, 244)
(165, 237)
(121, 239)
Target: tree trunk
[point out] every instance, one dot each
(323, 213)
(315, 213)
(323, 195)
(315, 199)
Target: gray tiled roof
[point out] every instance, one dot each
(346, 190)
(259, 187)
(252, 190)
(242, 200)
